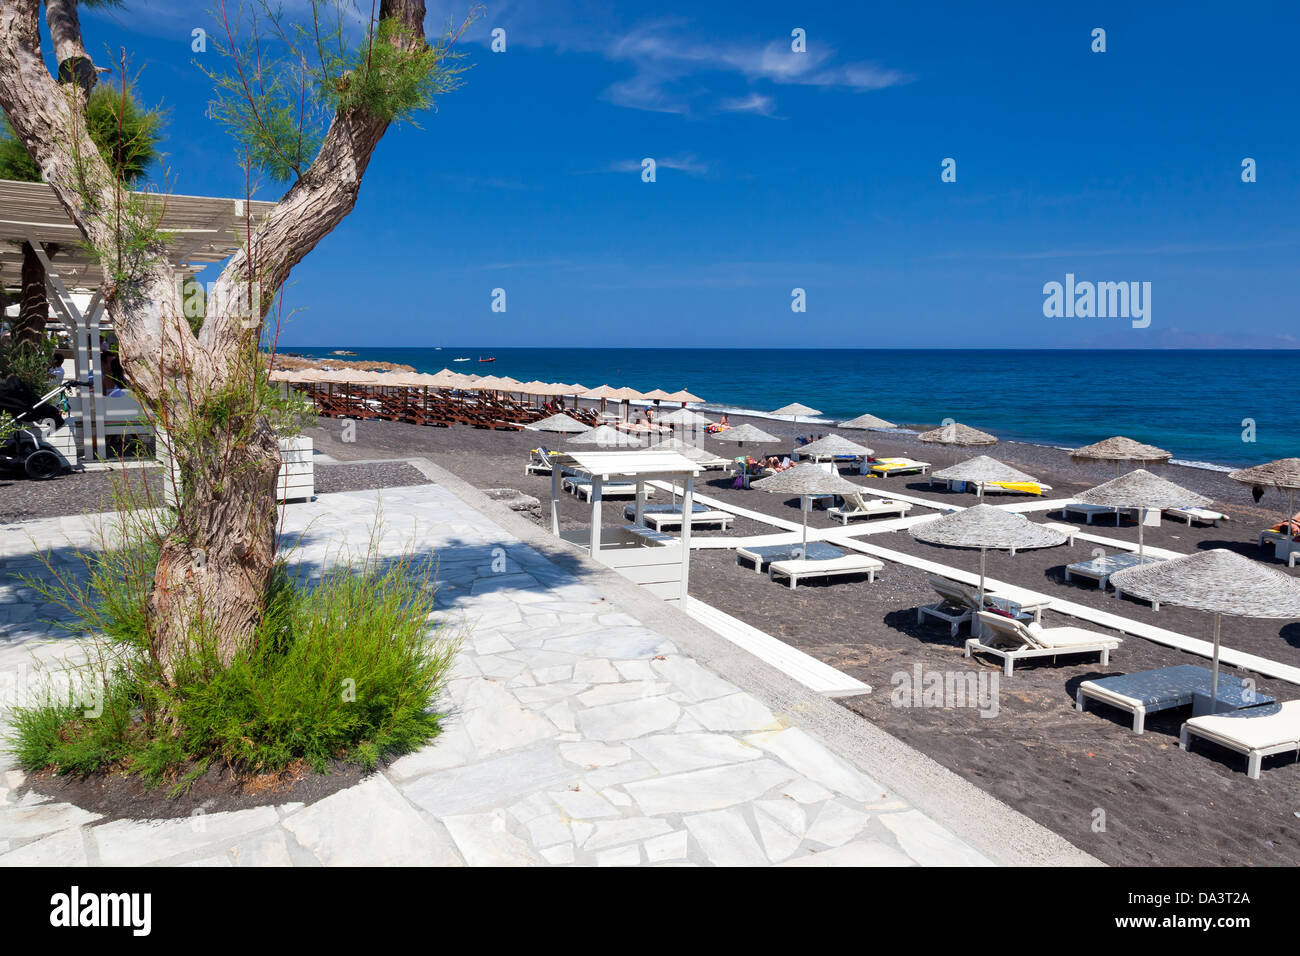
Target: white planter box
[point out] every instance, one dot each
(296, 480)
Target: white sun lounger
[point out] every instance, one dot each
(855, 506)
(1257, 733)
(609, 489)
(900, 466)
(1149, 692)
(1196, 514)
(1013, 641)
(960, 601)
(795, 569)
(539, 462)
(1089, 511)
(658, 520)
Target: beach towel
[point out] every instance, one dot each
(1024, 487)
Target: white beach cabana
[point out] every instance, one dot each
(204, 230)
(664, 567)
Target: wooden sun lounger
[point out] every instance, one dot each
(1148, 692)
(1013, 641)
(797, 569)
(869, 509)
(1257, 734)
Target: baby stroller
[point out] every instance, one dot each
(26, 447)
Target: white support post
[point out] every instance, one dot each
(555, 498)
(640, 503)
(596, 485)
(688, 504)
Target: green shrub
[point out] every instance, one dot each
(342, 670)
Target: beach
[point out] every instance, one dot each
(1161, 805)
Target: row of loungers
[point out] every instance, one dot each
(1253, 724)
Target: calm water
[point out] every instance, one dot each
(1190, 402)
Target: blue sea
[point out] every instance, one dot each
(1198, 404)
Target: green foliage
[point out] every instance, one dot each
(287, 412)
(124, 132)
(7, 427)
(30, 361)
(345, 669)
(282, 91)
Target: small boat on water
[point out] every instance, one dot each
(491, 359)
(342, 352)
(466, 359)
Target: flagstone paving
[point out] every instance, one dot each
(576, 734)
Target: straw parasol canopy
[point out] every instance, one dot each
(560, 423)
(806, 479)
(982, 470)
(1141, 489)
(684, 396)
(833, 445)
(658, 395)
(796, 411)
(867, 421)
(1120, 449)
(1218, 581)
(606, 437)
(955, 433)
(743, 433)
(984, 527)
(683, 416)
(601, 392)
(1284, 475)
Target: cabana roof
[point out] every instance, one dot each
(631, 464)
(205, 230)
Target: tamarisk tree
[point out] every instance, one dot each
(308, 103)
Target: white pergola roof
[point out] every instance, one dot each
(632, 464)
(204, 230)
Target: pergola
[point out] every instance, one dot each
(665, 567)
(204, 230)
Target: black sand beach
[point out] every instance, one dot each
(1161, 805)
(1127, 799)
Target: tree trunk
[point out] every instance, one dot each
(211, 581)
(34, 306)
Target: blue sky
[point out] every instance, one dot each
(818, 170)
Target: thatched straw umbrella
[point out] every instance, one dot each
(796, 411)
(982, 470)
(560, 423)
(833, 445)
(984, 526)
(606, 437)
(806, 479)
(743, 433)
(1217, 581)
(684, 396)
(955, 433)
(684, 417)
(1119, 450)
(867, 421)
(601, 392)
(1141, 489)
(1284, 475)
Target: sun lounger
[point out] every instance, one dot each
(1255, 732)
(1100, 569)
(1013, 640)
(648, 537)
(610, 489)
(855, 506)
(762, 554)
(899, 466)
(660, 520)
(1148, 692)
(1197, 514)
(959, 601)
(539, 462)
(797, 569)
(1016, 488)
(1089, 511)
(1280, 542)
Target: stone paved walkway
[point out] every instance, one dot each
(578, 736)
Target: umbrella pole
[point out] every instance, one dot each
(1214, 678)
(977, 626)
(805, 502)
(1141, 525)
